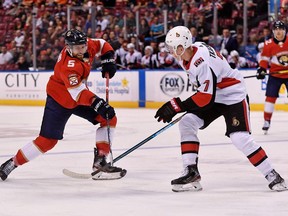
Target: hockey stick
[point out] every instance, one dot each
(121, 66)
(88, 176)
(107, 118)
(251, 56)
(268, 74)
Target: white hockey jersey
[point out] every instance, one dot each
(215, 80)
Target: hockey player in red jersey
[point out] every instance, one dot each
(275, 55)
(67, 94)
(220, 92)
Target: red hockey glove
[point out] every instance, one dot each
(103, 108)
(169, 110)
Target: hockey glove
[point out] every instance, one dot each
(108, 64)
(261, 73)
(169, 110)
(103, 108)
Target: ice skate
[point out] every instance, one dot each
(189, 181)
(266, 126)
(276, 182)
(6, 168)
(106, 171)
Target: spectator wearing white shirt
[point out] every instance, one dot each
(147, 61)
(164, 59)
(103, 22)
(19, 38)
(5, 56)
(120, 55)
(236, 61)
(133, 57)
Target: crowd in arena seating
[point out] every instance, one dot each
(133, 51)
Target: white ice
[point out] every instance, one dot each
(231, 185)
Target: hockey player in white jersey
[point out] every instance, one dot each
(220, 92)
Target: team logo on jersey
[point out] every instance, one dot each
(283, 59)
(198, 61)
(235, 122)
(73, 79)
(172, 84)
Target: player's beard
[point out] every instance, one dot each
(79, 56)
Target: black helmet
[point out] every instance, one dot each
(75, 37)
(279, 24)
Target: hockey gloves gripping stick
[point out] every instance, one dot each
(169, 110)
(108, 64)
(261, 73)
(103, 108)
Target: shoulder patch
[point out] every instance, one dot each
(198, 61)
(73, 79)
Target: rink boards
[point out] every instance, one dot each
(129, 89)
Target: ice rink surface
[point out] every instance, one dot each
(231, 186)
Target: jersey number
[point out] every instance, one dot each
(207, 82)
(71, 63)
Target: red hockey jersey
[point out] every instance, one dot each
(275, 55)
(68, 83)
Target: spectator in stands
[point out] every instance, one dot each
(117, 30)
(43, 45)
(171, 5)
(229, 43)
(51, 18)
(98, 32)
(164, 59)
(116, 44)
(147, 61)
(266, 34)
(203, 28)
(236, 61)
(103, 22)
(177, 19)
(206, 8)
(241, 46)
(251, 51)
(22, 51)
(194, 33)
(58, 30)
(19, 38)
(105, 36)
(22, 64)
(213, 41)
(134, 40)
(88, 23)
(44, 62)
(133, 57)
(5, 56)
(13, 49)
(144, 30)
(154, 45)
(157, 28)
(130, 23)
(120, 55)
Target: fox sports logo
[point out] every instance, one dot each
(172, 84)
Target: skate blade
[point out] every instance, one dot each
(280, 187)
(265, 132)
(193, 186)
(109, 176)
